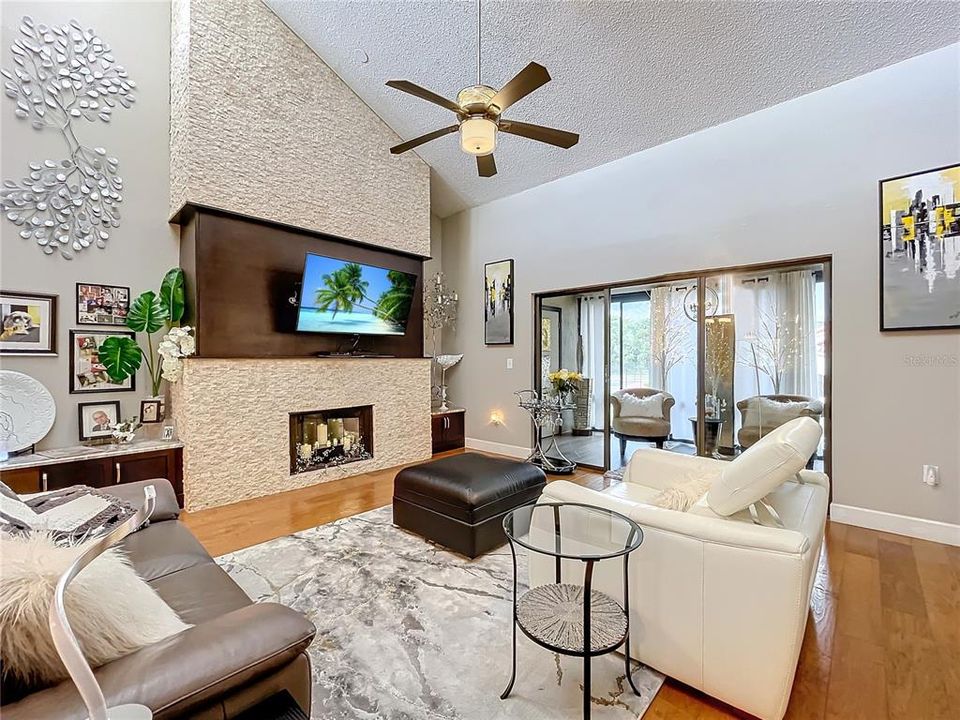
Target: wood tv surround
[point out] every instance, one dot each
(242, 271)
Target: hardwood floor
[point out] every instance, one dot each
(882, 639)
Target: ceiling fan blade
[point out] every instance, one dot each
(424, 94)
(560, 138)
(524, 82)
(486, 165)
(410, 144)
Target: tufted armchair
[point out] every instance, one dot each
(760, 414)
(641, 428)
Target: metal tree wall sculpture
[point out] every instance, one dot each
(62, 74)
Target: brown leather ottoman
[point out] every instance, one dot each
(459, 501)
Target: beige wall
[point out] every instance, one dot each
(144, 246)
(431, 268)
(262, 126)
(795, 180)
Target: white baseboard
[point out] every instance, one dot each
(498, 448)
(933, 530)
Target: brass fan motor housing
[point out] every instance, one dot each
(475, 100)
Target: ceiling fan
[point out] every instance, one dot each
(479, 110)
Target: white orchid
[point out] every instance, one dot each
(175, 345)
(171, 369)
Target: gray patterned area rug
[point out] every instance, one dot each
(409, 631)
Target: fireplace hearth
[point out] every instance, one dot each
(327, 438)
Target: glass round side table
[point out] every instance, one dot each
(572, 618)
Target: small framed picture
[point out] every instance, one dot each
(498, 303)
(150, 411)
(167, 433)
(87, 373)
(96, 419)
(102, 304)
(29, 323)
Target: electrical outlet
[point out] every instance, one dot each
(509, 363)
(931, 475)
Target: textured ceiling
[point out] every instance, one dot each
(626, 75)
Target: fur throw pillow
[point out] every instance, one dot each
(683, 495)
(111, 610)
(645, 407)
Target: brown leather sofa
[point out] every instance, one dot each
(236, 655)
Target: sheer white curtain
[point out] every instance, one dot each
(672, 359)
(779, 315)
(795, 293)
(591, 353)
(724, 287)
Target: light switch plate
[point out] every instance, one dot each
(509, 363)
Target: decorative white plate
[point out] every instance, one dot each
(27, 411)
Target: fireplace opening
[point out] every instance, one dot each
(327, 438)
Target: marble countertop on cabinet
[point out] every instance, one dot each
(54, 456)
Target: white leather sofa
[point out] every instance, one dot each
(717, 601)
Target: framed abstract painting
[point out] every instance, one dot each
(920, 250)
(498, 303)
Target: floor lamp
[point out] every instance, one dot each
(66, 642)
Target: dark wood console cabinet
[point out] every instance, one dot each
(99, 472)
(447, 429)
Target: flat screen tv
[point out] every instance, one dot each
(340, 296)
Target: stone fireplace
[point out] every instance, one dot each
(246, 224)
(234, 418)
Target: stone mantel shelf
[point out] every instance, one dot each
(56, 456)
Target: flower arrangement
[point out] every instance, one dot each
(124, 430)
(149, 313)
(175, 345)
(564, 381)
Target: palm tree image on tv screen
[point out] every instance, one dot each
(346, 297)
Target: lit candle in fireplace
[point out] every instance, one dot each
(322, 433)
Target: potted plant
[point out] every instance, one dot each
(149, 313)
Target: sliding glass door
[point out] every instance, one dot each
(653, 378)
(704, 364)
(573, 328)
(765, 354)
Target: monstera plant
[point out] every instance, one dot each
(149, 313)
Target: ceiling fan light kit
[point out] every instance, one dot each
(478, 109)
(478, 135)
